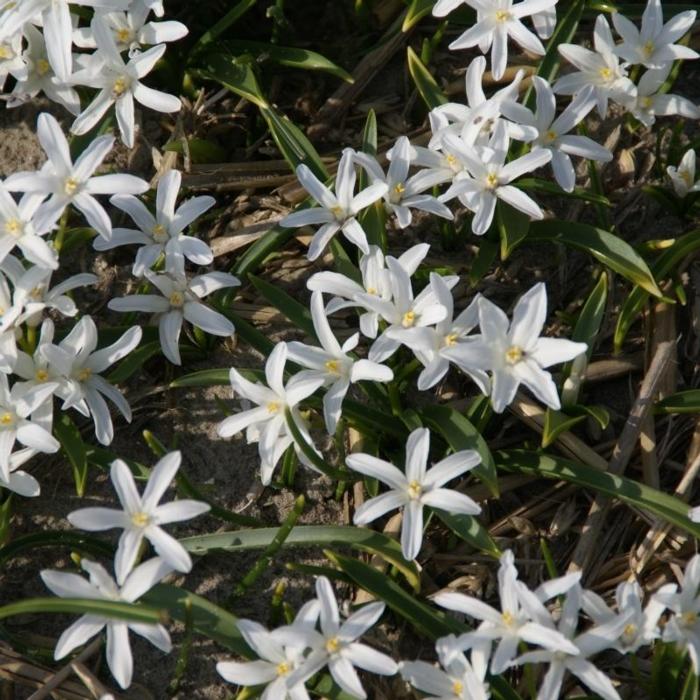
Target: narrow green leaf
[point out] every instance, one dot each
(460, 434)
(297, 313)
(235, 74)
(232, 16)
(342, 262)
(428, 621)
(133, 362)
(512, 225)
(468, 528)
(362, 539)
(75, 541)
(634, 493)
(417, 9)
(682, 402)
(429, 90)
(74, 448)
(533, 183)
(488, 250)
(119, 610)
(204, 377)
(606, 247)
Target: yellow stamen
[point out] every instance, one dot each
(414, 490)
(502, 16)
(332, 366)
(41, 375)
(508, 618)
(400, 188)
(648, 49)
(630, 631)
(273, 407)
(283, 668)
(159, 233)
(84, 374)
(550, 136)
(124, 36)
(685, 174)
(7, 419)
(338, 212)
(647, 102)
(372, 291)
(6, 52)
(492, 181)
(458, 687)
(140, 519)
(70, 186)
(13, 227)
(451, 160)
(177, 298)
(37, 292)
(333, 645)
(689, 618)
(120, 86)
(451, 340)
(605, 73)
(514, 354)
(43, 66)
(409, 318)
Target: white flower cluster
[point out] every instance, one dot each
(547, 621)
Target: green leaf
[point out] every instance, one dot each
(428, 621)
(362, 539)
(74, 448)
(417, 9)
(119, 610)
(205, 377)
(342, 262)
(275, 239)
(297, 313)
(200, 150)
(512, 225)
(533, 183)
(288, 56)
(682, 402)
(75, 541)
(488, 250)
(429, 90)
(233, 73)
(468, 528)
(460, 434)
(667, 262)
(293, 144)
(634, 493)
(557, 422)
(133, 362)
(237, 11)
(606, 247)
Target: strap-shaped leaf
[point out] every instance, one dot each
(682, 402)
(429, 90)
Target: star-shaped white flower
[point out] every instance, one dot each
(67, 183)
(514, 352)
(101, 586)
(683, 177)
(338, 211)
(415, 489)
(142, 516)
(653, 45)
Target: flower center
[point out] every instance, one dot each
(605, 73)
(6, 52)
(41, 375)
(84, 374)
(400, 188)
(508, 618)
(372, 291)
(332, 366)
(689, 618)
(630, 632)
(338, 212)
(458, 687)
(70, 186)
(409, 318)
(274, 407)
(685, 174)
(120, 86)
(451, 340)
(177, 299)
(7, 419)
(140, 519)
(37, 292)
(414, 490)
(514, 354)
(283, 668)
(550, 136)
(159, 233)
(13, 227)
(502, 15)
(333, 645)
(647, 102)
(42, 66)
(452, 161)
(124, 35)
(648, 49)
(492, 181)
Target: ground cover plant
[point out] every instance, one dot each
(398, 306)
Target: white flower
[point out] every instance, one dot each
(266, 424)
(142, 516)
(278, 658)
(67, 183)
(17, 229)
(683, 627)
(496, 21)
(376, 281)
(131, 31)
(553, 131)
(461, 678)
(683, 177)
(40, 76)
(600, 68)
(490, 177)
(155, 6)
(522, 618)
(416, 488)
(101, 586)
(78, 363)
(653, 46)
(16, 406)
(11, 60)
(514, 352)
(162, 233)
(650, 103)
(403, 311)
(20, 482)
(332, 363)
(337, 211)
(587, 644)
(428, 343)
(337, 647)
(120, 84)
(642, 624)
(180, 302)
(403, 192)
(545, 22)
